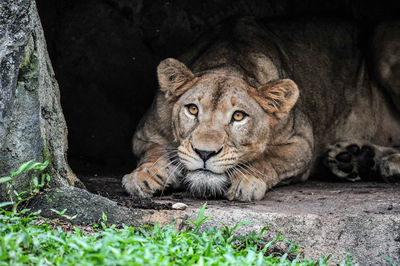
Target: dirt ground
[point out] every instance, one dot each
(311, 197)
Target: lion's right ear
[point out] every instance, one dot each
(172, 76)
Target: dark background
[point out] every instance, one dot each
(105, 53)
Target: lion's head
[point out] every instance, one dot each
(220, 121)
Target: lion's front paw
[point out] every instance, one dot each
(145, 181)
(246, 189)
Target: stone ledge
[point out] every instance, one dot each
(360, 218)
(364, 236)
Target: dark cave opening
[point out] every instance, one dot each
(105, 53)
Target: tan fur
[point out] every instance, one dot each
(285, 128)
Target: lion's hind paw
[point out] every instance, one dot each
(352, 161)
(390, 168)
(358, 160)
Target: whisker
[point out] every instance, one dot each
(171, 162)
(253, 169)
(232, 171)
(177, 167)
(229, 173)
(245, 169)
(251, 173)
(244, 176)
(167, 154)
(256, 171)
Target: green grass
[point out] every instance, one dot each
(28, 239)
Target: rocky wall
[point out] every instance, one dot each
(32, 125)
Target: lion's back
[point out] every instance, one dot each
(326, 58)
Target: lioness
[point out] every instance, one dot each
(254, 106)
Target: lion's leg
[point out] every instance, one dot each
(154, 173)
(357, 160)
(385, 46)
(283, 163)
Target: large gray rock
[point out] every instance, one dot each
(32, 125)
(87, 208)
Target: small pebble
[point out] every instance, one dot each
(179, 206)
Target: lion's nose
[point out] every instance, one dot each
(205, 155)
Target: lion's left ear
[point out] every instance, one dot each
(172, 76)
(277, 97)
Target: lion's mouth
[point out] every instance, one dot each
(206, 183)
(205, 170)
(206, 174)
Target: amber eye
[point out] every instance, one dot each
(238, 116)
(193, 109)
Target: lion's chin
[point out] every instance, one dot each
(206, 184)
